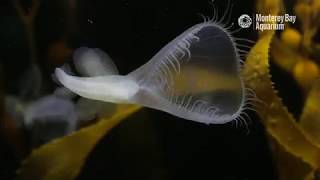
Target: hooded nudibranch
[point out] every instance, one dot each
(196, 76)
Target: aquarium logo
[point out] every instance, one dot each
(244, 21)
(273, 22)
(266, 22)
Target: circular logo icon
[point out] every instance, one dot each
(244, 21)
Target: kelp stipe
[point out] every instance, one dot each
(196, 77)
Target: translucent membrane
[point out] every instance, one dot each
(196, 77)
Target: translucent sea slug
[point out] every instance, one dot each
(196, 77)
(45, 118)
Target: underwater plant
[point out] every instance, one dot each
(196, 77)
(294, 140)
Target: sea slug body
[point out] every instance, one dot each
(196, 76)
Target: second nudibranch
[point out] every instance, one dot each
(196, 76)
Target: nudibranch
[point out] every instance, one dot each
(44, 118)
(196, 76)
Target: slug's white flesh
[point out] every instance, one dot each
(90, 62)
(93, 62)
(195, 77)
(113, 88)
(49, 108)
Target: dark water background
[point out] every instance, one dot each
(151, 144)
